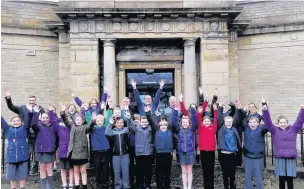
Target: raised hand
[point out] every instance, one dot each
(8, 94)
(200, 90)
(238, 104)
(264, 107)
(162, 83)
(63, 107)
(302, 106)
(128, 115)
(214, 106)
(157, 113)
(133, 83)
(111, 120)
(220, 103)
(181, 96)
(105, 89)
(102, 105)
(73, 94)
(263, 100)
(147, 108)
(215, 91)
(35, 108)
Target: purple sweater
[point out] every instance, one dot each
(284, 141)
(98, 109)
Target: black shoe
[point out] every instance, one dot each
(34, 172)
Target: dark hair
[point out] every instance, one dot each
(94, 99)
(143, 117)
(117, 119)
(32, 96)
(282, 117)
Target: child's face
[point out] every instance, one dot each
(85, 106)
(283, 123)
(72, 109)
(185, 123)
(93, 103)
(45, 118)
(207, 122)
(100, 121)
(17, 122)
(228, 122)
(163, 125)
(119, 123)
(79, 121)
(253, 124)
(117, 112)
(144, 122)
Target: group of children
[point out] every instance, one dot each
(119, 137)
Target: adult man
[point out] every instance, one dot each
(22, 111)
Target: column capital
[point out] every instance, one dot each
(189, 41)
(109, 42)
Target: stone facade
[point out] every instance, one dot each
(237, 47)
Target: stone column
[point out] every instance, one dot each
(110, 68)
(190, 83)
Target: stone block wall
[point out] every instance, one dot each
(272, 66)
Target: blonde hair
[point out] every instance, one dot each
(228, 117)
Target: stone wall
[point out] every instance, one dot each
(272, 66)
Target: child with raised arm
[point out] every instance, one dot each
(120, 159)
(284, 137)
(45, 146)
(78, 148)
(100, 149)
(228, 143)
(17, 152)
(253, 149)
(143, 149)
(186, 144)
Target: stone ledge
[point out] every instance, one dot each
(273, 29)
(27, 31)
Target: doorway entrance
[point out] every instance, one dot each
(147, 83)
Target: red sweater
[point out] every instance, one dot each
(206, 135)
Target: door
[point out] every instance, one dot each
(148, 83)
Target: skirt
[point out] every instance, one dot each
(65, 163)
(187, 159)
(285, 167)
(45, 157)
(17, 171)
(79, 161)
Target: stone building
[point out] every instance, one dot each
(246, 49)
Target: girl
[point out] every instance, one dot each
(186, 144)
(284, 140)
(45, 147)
(63, 133)
(253, 150)
(143, 149)
(78, 148)
(72, 112)
(164, 147)
(100, 150)
(17, 152)
(228, 143)
(120, 157)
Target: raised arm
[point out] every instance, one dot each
(10, 105)
(65, 119)
(267, 120)
(175, 120)
(151, 121)
(53, 117)
(215, 111)
(138, 101)
(157, 96)
(297, 126)
(108, 117)
(131, 125)
(4, 125)
(182, 105)
(109, 129)
(193, 119)
(34, 122)
(77, 99)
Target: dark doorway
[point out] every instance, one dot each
(148, 84)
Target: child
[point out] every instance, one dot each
(45, 147)
(228, 143)
(120, 157)
(17, 152)
(254, 149)
(78, 148)
(186, 147)
(63, 133)
(72, 112)
(284, 142)
(143, 149)
(164, 147)
(207, 144)
(100, 150)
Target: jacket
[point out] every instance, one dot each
(120, 139)
(186, 140)
(99, 140)
(284, 141)
(221, 137)
(45, 141)
(17, 147)
(140, 104)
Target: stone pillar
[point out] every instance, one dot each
(110, 68)
(189, 68)
(214, 67)
(84, 65)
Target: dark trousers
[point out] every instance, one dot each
(91, 160)
(32, 163)
(101, 161)
(175, 145)
(283, 180)
(144, 171)
(132, 163)
(207, 159)
(163, 170)
(228, 164)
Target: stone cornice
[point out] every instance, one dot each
(27, 31)
(273, 29)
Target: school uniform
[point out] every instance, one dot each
(285, 151)
(17, 153)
